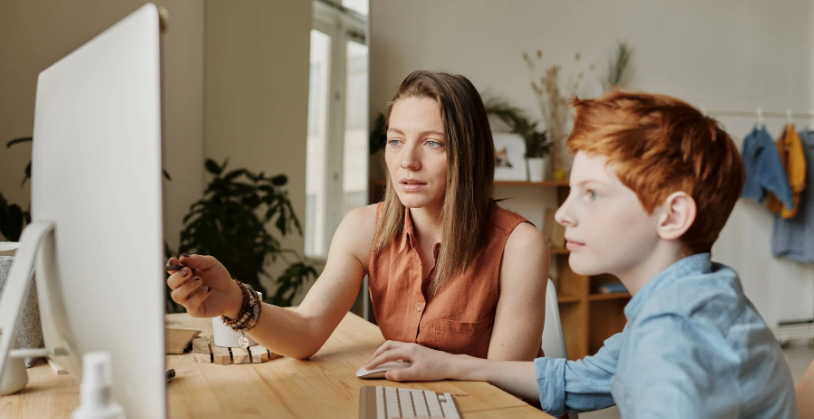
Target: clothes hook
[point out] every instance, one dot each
(789, 118)
(760, 116)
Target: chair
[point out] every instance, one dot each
(553, 339)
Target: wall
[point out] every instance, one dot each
(257, 67)
(35, 34)
(721, 55)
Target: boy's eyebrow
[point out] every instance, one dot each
(588, 181)
(398, 131)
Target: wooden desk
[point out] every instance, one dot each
(323, 387)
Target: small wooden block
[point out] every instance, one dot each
(221, 355)
(240, 356)
(259, 354)
(201, 350)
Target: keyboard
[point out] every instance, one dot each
(381, 402)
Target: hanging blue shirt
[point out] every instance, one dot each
(794, 237)
(694, 347)
(764, 170)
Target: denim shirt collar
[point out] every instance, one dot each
(690, 265)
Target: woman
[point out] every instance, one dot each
(448, 268)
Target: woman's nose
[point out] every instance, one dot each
(410, 159)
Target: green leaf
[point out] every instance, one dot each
(11, 224)
(18, 141)
(279, 180)
(27, 173)
(212, 167)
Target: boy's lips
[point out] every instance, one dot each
(571, 244)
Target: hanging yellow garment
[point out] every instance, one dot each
(793, 158)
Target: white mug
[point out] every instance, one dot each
(225, 336)
(8, 248)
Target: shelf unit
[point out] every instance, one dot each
(588, 317)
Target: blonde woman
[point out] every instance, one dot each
(449, 269)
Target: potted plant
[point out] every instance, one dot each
(537, 143)
(230, 223)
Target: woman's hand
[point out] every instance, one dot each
(204, 287)
(426, 364)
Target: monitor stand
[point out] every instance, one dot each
(37, 245)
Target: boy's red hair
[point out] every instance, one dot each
(659, 145)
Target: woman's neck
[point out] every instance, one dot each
(428, 224)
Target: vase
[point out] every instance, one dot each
(536, 167)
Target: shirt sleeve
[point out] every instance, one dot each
(670, 372)
(578, 386)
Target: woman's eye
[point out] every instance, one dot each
(393, 142)
(433, 144)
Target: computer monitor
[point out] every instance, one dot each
(96, 230)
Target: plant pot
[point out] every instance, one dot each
(536, 167)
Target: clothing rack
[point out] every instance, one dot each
(760, 114)
(770, 114)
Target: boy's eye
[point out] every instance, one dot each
(592, 195)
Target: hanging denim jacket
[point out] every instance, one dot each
(764, 170)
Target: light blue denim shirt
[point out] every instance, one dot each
(694, 347)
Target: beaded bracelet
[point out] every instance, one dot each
(248, 315)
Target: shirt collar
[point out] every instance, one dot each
(408, 235)
(696, 264)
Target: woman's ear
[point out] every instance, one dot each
(678, 213)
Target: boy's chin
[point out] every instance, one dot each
(584, 267)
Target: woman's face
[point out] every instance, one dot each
(416, 153)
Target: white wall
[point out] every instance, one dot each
(36, 33)
(727, 54)
(257, 68)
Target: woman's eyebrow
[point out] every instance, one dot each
(422, 133)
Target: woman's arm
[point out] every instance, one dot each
(294, 333)
(300, 333)
(520, 315)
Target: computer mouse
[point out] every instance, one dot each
(379, 371)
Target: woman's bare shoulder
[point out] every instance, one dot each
(357, 229)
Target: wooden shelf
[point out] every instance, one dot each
(565, 299)
(559, 251)
(605, 297)
(545, 183)
(548, 183)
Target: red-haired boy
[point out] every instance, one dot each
(652, 185)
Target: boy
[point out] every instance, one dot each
(652, 185)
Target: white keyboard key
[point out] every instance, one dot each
(392, 402)
(432, 402)
(419, 403)
(448, 405)
(406, 403)
(380, 413)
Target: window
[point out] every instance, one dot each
(337, 156)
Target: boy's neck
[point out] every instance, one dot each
(662, 257)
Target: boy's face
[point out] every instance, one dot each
(606, 228)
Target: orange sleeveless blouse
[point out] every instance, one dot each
(459, 318)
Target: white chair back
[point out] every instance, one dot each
(553, 340)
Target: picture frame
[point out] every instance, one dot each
(510, 163)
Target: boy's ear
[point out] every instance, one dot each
(677, 216)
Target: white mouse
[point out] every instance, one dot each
(379, 371)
